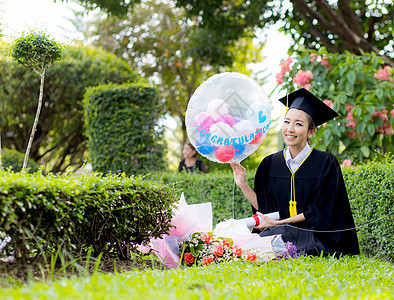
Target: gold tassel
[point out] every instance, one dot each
(293, 208)
(292, 202)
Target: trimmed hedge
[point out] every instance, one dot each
(112, 213)
(79, 213)
(14, 159)
(121, 123)
(370, 188)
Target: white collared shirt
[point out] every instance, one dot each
(294, 163)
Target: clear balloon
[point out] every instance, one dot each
(228, 117)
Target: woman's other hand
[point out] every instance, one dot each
(266, 222)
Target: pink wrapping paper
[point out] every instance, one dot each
(187, 220)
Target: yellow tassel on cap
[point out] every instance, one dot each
(287, 104)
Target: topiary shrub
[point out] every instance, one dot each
(35, 50)
(14, 159)
(121, 123)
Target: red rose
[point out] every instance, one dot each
(219, 251)
(237, 251)
(207, 260)
(207, 239)
(189, 258)
(251, 256)
(226, 243)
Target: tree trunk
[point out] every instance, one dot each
(184, 132)
(1, 164)
(33, 130)
(343, 23)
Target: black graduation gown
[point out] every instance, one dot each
(320, 194)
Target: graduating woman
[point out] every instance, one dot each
(304, 184)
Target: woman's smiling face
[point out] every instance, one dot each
(295, 128)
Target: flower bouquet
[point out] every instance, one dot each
(204, 249)
(191, 242)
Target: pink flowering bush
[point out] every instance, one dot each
(384, 74)
(284, 68)
(303, 79)
(359, 88)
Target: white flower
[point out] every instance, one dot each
(230, 227)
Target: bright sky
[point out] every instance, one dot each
(17, 16)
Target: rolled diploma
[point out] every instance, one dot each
(273, 216)
(256, 220)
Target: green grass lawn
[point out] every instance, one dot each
(305, 278)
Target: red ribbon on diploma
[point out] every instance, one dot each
(256, 218)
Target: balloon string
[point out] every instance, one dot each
(233, 198)
(338, 230)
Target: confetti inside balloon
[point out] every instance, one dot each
(228, 117)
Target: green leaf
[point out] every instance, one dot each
(379, 94)
(371, 109)
(336, 131)
(327, 137)
(371, 129)
(351, 76)
(357, 111)
(361, 126)
(349, 87)
(365, 151)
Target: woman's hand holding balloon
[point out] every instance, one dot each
(240, 180)
(239, 174)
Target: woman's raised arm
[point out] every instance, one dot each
(240, 180)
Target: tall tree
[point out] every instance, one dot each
(35, 50)
(343, 25)
(160, 42)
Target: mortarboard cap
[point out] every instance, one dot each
(304, 100)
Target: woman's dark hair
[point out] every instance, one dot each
(191, 147)
(311, 124)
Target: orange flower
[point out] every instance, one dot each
(207, 239)
(207, 260)
(251, 257)
(226, 244)
(237, 251)
(219, 251)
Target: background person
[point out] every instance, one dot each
(190, 163)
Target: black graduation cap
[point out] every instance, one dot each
(304, 100)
